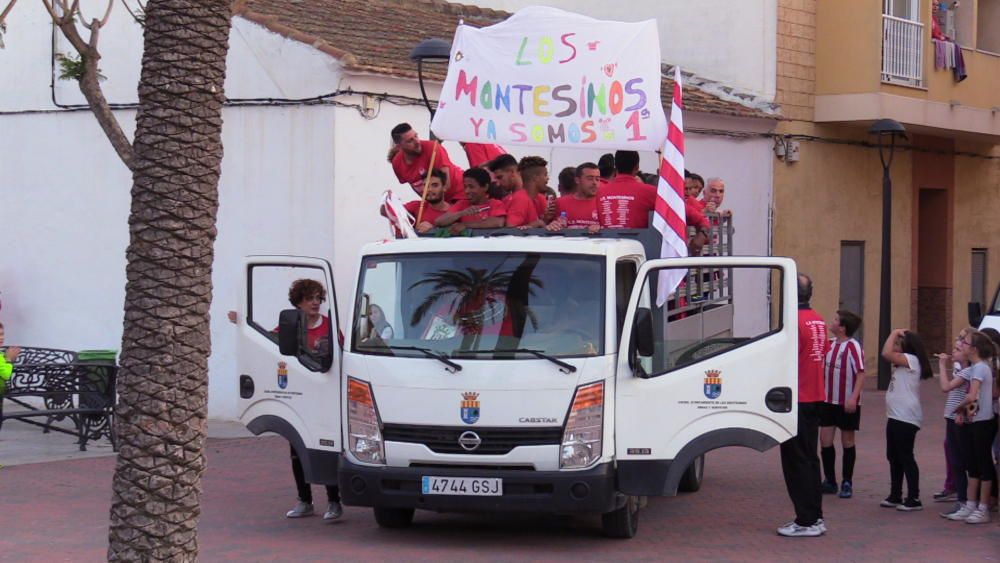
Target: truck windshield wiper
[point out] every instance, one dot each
(427, 352)
(563, 366)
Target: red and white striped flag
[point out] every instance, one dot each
(669, 217)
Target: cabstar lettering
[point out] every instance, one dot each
(537, 420)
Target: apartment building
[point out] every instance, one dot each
(935, 68)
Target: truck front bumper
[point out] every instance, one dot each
(591, 490)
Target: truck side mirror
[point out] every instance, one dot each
(291, 331)
(975, 313)
(643, 333)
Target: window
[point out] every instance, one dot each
(625, 276)
(481, 305)
(270, 292)
(979, 276)
(906, 9)
(696, 323)
(988, 22)
(852, 278)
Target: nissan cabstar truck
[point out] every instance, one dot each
(521, 372)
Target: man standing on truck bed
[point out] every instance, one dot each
(411, 161)
(799, 461)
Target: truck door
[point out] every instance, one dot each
(715, 366)
(296, 396)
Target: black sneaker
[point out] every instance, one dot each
(910, 505)
(830, 488)
(890, 502)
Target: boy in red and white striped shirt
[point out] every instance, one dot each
(844, 372)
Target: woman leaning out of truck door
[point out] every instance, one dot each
(905, 351)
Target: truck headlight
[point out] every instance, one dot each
(364, 437)
(584, 434)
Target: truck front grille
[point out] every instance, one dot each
(495, 441)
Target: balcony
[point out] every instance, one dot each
(902, 51)
(871, 64)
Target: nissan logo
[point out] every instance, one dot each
(469, 441)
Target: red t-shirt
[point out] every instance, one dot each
(522, 210)
(625, 203)
(696, 203)
(491, 208)
(694, 215)
(813, 345)
(579, 212)
(415, 173)
(430, 214)
(479, 153)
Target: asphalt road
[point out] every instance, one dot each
(57, 511)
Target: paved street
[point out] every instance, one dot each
(57, 511)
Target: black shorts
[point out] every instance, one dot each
(834, 415)
(979, 457)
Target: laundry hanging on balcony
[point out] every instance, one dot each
(948, 55)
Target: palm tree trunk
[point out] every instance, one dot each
(163, 384)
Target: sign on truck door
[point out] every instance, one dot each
(296, 396)
(696, 385)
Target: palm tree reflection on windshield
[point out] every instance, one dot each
(475, 297)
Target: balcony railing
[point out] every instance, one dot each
(902, 51)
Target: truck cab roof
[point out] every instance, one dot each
(617, 242)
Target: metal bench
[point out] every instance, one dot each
(82, 392)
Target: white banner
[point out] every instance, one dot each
(547, 77)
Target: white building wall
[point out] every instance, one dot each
(729, 41)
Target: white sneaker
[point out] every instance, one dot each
(958, 506)
(961, 514)
(793, 530)
(333, 512)
(821, 524)
(979, 517)
(300, 510)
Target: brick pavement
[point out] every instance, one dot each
(58, 511)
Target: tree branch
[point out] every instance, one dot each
(7, 10)
(90, 84)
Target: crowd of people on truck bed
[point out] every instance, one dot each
(831, 378)
(500, 191)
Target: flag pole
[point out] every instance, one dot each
(427, 182)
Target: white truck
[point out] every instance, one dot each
(521, 373)
(989, 318)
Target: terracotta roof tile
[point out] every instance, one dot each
(376, 36)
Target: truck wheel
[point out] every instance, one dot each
(691, 480)
(387, 517)
(624, 522)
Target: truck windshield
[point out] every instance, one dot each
(466, 305)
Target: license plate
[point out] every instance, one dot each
(470, 486)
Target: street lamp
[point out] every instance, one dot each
(431, 50)
(886, 131)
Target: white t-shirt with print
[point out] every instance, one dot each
(981, 372)
(902, 399)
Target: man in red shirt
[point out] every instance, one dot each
(579, 209)
(481, 153)
(526, 207)
(625, 202)
(607, 166)
(411, 161)
(434, 207)
(478, 210)
(504, 169)
(799, 460)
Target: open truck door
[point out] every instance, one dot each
(704, 371)
(289, 375)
